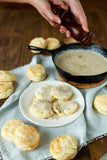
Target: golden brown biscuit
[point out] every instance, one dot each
(9, 128)
(41, 109)
(36, 73)
(65, 107)
(27, 137)
(62, 92)
(100, 103)
(38, 42)
(6, 89)
(52, 43)
(70, 40)
(64, 147)
(6, 76)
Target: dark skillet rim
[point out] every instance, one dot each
(81, 79)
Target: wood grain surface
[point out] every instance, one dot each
(20, 23)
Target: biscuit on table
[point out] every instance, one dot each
(36, 73)
(52, 43)
(9, 127)
(38, 42)
(26, 137)
(70, 40)
(62, 92)
(43, 93)
(6, 76)
(64, 147)
(65, 107)
(6, 89)
(100, 103)
(41, 109)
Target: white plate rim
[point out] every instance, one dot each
(48, 122)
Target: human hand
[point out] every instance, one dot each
(77, 10)
(44, 9)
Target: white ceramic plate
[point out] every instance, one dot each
(25, 100)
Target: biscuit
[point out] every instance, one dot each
(62, 92)
(26, 137)
(69, 40)
(43, 93)
(33, 100)
(6, 89)
(36, 73)
(9, 128)
(6, 76)
(64, 147)
(38, 42)
(65, 107)
(52, 43)
(100, 103)
(41, 109)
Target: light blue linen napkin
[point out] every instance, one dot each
(89, 126)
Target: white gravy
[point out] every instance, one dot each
(80, 62)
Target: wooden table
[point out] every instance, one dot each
(19, 24)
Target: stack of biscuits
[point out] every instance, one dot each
(6, 85)
(25, 137)
(53, 100)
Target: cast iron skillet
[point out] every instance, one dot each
(78, 79)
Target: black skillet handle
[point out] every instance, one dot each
(34, 48)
